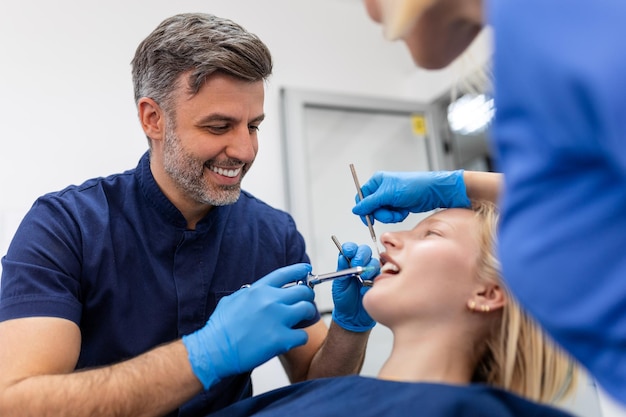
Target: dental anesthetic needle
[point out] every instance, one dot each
(367, 218)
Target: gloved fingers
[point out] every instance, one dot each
(349, 249)
(366, 206)
(294, 294)
(369, 275)
(372, 184)
(364, 220)
(386, 215)
(342, 263)
(361, 256)
(364, 289)
(293, 338)
(296, 313)
(382, 214)
(344, 285)
(285, 275)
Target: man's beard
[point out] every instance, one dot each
(187, 172)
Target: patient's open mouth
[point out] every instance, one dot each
(388, 266)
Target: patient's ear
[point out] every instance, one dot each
(487, 297)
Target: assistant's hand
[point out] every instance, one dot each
(391, 196)
(348, 292)
(252, 326)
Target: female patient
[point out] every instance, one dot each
(461, 346)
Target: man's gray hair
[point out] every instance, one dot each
(200, 44)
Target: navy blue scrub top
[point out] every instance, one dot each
(370, 397)
(114, 256)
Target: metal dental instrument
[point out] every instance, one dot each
(367, 218)
(314, 279)
(365, 282)
(338, 244)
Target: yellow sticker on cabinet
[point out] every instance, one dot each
(418, 124)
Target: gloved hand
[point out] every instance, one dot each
(391, 196)
(252, 325)
(348, 292)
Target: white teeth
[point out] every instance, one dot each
(226, 172)
(389, 267)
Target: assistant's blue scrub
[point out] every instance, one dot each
(560, 139)
(113, 255)
(370, 397)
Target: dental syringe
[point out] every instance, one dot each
(314, 279)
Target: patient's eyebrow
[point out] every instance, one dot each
(429, 222)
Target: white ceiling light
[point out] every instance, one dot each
(471, 114)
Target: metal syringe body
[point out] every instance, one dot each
(314, 279)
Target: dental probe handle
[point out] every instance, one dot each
(368, 220)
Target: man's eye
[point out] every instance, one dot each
(253, 128)
(218, 129)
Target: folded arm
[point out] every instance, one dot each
(37, 377)
(38, 356)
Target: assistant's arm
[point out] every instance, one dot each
(481, 185)
(390, 196)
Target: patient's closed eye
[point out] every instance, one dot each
(433, 232)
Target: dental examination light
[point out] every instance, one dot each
(471, 114)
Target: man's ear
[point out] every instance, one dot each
(487, 297)
(151, 117)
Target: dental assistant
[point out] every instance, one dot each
(559, 140)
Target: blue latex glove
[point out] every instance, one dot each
(252, 326)
(391, 196)
(348, 292)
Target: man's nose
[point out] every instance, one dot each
(242, 145)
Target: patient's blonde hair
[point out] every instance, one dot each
(520, 357)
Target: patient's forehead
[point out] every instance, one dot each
(458, 224)
(454, 215)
